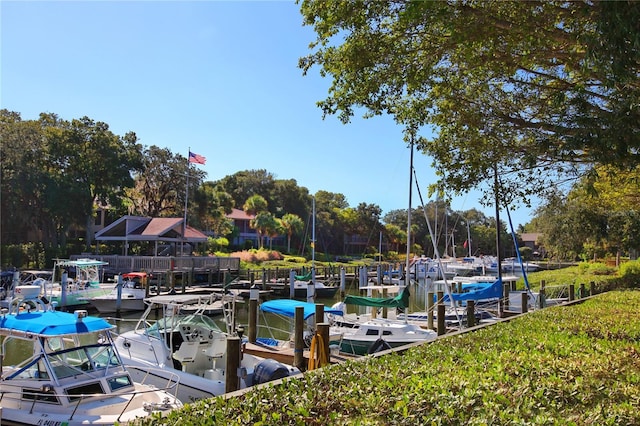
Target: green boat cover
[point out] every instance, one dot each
(400, 301)
(305, 277)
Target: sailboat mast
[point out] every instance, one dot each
(406, 275)
(498, 243)
(313, 238)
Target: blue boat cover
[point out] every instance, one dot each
(287, 307)
(52, 323)
(479, 291)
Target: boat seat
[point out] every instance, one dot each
(216, 348)
(187, 352)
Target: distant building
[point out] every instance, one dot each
(530, 239)
(241, 221)
(168, 235)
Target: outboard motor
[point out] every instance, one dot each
(270, 369)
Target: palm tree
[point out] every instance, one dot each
(263, 223)
(254, 205)
(291, 224)
(395, 235)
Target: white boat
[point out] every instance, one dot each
(126, 297)
(83, 281)
(512, 265)
(62, 368)
(286, 309)
(368, 335)
(319, 289)
(189, 345)
(380, 333)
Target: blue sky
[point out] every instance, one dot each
(219, 77)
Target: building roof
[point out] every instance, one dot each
(137, 228)
(238, 214)
(530, 236)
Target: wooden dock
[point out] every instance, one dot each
(286, 354)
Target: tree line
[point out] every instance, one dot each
(56, 174)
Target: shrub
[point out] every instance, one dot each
(257, 256)
(596, 268)
(217, 244)
(630, 269)
(295, 259)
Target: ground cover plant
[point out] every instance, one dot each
(565, 365)
(597, 278)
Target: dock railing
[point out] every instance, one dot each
(122, 264)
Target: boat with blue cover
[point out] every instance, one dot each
(286, 309)
(186, 342)
(62, 368)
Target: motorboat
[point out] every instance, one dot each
(127, 295)
(79, 280)
(370, 334)
(169, 341)
(286, 309)
(62, 368)
(318, 289)
(381, 333)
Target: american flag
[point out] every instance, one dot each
(195, 158)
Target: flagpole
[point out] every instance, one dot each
(186, 203)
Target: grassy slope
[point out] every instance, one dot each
(565, 365)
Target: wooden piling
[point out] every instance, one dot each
(506, 290)
(298, 339)
(430, 310)
(385, 310)
(119, 294)
(319, 316)
(471, 313)
(572, 292)
(253, 320)
(524, 300)
(542, 294)
(232, 382)
(441, 313)
(323, 331)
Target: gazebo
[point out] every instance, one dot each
(166, 233)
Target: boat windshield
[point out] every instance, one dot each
(173, 323)
(70, 362)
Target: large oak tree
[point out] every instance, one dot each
(533, 90)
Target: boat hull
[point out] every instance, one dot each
(328, 292)
(362, 347)
(105, 306)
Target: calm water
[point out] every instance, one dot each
(269, 325)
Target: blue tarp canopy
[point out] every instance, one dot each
(52, 323)
(479, 291)
(287, 307)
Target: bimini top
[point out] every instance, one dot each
(51, 323)
(287, 307)
(80, 263)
